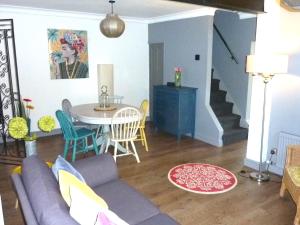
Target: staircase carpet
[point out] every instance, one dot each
(228, 120)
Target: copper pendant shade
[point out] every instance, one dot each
(112, 26)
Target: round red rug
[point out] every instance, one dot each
(202, 178)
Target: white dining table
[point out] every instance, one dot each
(86, 113)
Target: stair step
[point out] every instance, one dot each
(221, 109)
(234, 135)
(218, 96)
(214, 84)
(229, 121)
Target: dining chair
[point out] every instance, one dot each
(66, 106)
(144, 109)
(75, 139)
(124, 126)
(291, 178)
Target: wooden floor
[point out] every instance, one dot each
(247, 204)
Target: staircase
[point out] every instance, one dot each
(223, 110)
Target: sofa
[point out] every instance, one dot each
(41, 202)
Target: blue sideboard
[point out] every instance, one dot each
(174, 109)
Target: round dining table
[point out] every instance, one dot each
(88, 113)
(91, 114)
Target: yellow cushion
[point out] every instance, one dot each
(67, 179)
(294, 172)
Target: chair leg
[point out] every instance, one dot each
(74, 150)
(145, 139)
(127, 147)
(66, 149)
(135, 153)
(282, 190)
(95, 145)
(115, 151)
(141, 136)
(107, 145)
(297, 217)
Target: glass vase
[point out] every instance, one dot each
(30, 147)
(177, 79)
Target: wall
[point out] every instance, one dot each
(277, 32)
(182, 40)
(129, 54)
(238, 34)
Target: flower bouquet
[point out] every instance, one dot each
(19, 127)
(178, 72)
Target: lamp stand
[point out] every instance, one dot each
(260, 176)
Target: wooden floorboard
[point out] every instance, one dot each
(247, 204)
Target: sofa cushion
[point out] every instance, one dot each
(159, 219)
(90, 168)
(67, 180)
(43, 193)
(62, 164)
(126, 202)
(85, 211)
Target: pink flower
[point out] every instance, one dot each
(27, 100)
(178, 69)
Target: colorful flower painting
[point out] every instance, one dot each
(68, 54)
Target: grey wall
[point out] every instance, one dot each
(238, 34)
(182, 40)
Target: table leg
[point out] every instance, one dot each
(103, 134)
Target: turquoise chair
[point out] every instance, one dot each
(75, 139)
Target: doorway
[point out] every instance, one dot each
(156, 70)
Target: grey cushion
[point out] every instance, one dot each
(126, 202)
(62, 164)
(160, 219)
(97, 170)
(43, 193)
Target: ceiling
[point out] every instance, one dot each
(128, 8)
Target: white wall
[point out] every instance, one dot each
(129, 54)
(277, 32)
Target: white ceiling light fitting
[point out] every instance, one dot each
(112, 26)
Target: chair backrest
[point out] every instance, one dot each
(66, 106)
(66, 125)
(125, 123)
(144, 108)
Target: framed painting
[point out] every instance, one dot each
(68, 54)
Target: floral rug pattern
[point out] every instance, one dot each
(202, 178)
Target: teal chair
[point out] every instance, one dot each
(76, 139)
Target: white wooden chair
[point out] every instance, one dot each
(124, 127)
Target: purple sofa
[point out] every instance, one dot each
(42, 204)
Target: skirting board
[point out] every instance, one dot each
(254, 165)
(209, 140)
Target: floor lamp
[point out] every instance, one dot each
(265, 66)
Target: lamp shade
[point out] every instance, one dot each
(106, 78)
(267, 64)
(112, 26)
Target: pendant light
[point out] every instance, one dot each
(112, 26)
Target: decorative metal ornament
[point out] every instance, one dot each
(112, 26)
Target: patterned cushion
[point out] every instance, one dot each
(294, 172)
